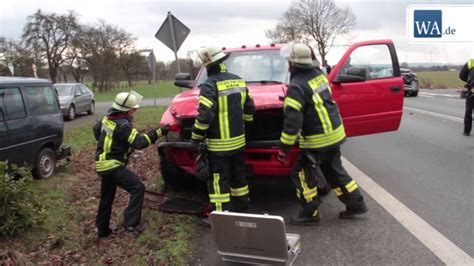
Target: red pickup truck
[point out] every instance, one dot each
(366, 84)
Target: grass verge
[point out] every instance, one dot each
(440, 79)
(68, 236)
(162, 89)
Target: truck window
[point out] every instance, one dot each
(41, 100)
(12, 103)
(256, 66)
(376, 60)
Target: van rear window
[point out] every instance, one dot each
(41, 100)
(11, 102)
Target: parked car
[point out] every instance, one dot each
(31, 125)
(410, 82)
(368, 105)
(75, 98)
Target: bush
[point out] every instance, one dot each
(20, 206)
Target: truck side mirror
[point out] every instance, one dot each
(353, 74)
(183, 80)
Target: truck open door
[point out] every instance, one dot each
(368, 88)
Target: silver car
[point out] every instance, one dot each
(75, 98)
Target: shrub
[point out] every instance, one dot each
(20, 206)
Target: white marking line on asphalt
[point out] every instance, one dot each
(452, 118)
(439, 94)
(441, 246)
(426, 96)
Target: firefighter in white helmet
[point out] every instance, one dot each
(311, 113)
(225, 105)
(116, 141)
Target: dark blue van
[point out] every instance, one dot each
(31, 125)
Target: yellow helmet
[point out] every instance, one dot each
(125, 101)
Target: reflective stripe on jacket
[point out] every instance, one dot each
(310, 114)
(116, 141)
(225, 104)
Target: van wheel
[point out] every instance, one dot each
(71, 113)
(45, 164)
(92, 110)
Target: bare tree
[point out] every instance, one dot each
(289, 28)
(321, 21)
(52, 33)
(102, 46)
(74, 61)
(14, 53)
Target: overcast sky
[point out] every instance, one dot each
(234, 23)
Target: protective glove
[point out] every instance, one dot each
(282, 156)
(164, 130)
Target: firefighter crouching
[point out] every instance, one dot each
(309, 111)
(467, 75)
(225, 104)
(116, 141)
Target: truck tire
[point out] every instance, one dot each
(45, 165)
(177, 179)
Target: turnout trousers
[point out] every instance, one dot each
(305, 178)
(128, 181)
(227, 185)
(468, 114)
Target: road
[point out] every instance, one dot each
(418, 183)
(419, 186)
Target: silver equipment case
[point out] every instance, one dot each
(254, 238)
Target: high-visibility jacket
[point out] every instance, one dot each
(467, 74)
(116, 141)
(310, 113)
(225, 104)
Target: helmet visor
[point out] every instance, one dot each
(196, 58)
(138, 98)
(285, 50)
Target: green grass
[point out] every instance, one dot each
(440, 79)
(71, 203)
(163, 89)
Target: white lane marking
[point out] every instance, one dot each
(426, 96)
(439, 94)
(452, 118)
(441, 246)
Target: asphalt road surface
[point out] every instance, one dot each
(418, 183)
(419, 187)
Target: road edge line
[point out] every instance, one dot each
(441, 246)
(452, 118)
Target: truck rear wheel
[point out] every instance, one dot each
(178, 179)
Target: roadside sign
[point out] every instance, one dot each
(151, 62)
(172, 33)
(12, 68)
(33, 66)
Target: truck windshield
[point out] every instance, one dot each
(265, 67)
(64, 90)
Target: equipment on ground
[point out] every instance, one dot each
(161, 202)
(254, 238)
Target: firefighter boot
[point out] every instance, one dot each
(306, 218)
(354, 210)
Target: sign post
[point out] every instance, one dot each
(152, 67)
(172, 33)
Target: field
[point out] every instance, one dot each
(439, 79)
(71, 197)
(163, 89)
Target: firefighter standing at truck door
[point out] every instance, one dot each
(467, 75)
(116, 141)
(309, 111)
(225, 104)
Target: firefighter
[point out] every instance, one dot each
(225, 105)
(467, 75)
(116, 141)
(310, 112)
